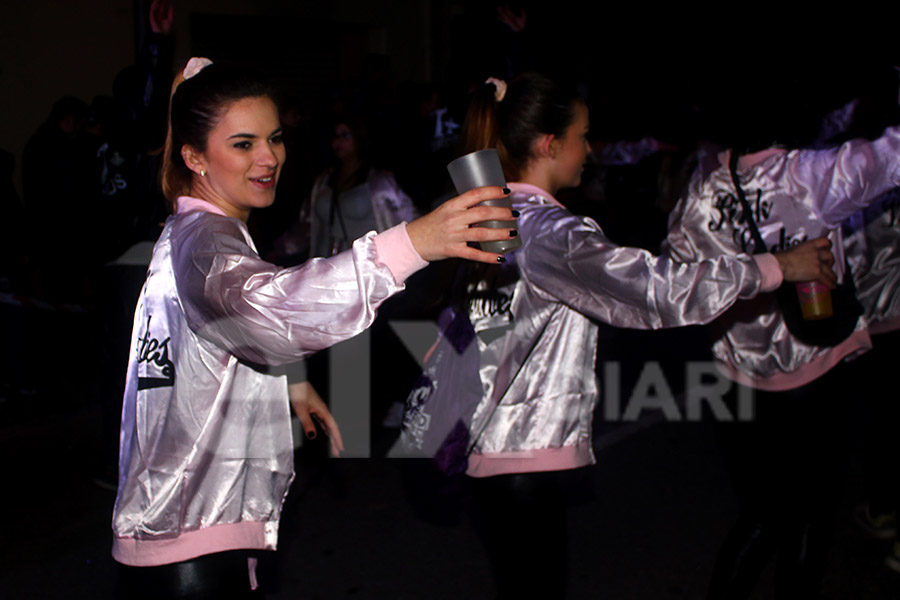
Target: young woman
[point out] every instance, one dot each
(352, 195)
(206, 450)
(535, 320)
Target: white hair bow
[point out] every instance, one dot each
(500, 92)
(195, 65)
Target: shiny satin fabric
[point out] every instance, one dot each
(796, 196)
(206, 442)
(536, 324)
(872, 244)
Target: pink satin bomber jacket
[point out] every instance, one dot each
(206, 455)
(795, 195)
(537, 333)
(872, 243)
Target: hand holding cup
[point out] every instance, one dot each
(478, 169)
(446, 231)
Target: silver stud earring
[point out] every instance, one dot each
(202, 172)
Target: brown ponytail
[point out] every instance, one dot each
(533, 105)
(173, 180)
(479, 130)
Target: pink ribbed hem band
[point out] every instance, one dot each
(219, 538)
(396, 252)
(530, 461)
(858, 342)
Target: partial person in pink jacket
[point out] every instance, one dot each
(206, 455)
(871, 240)
(785, 463)
(536, 328)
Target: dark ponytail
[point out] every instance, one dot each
(480, 129)
(533, 105)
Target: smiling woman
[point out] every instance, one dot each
(206, 455)
(243, 158)
(230, 139)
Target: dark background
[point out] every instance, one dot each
(644, 64)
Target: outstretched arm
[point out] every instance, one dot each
(269, 315)
(162, 15)
(570, 259)
(840, 181)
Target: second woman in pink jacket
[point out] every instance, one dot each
(535, 321)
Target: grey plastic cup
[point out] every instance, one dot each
(478, 169)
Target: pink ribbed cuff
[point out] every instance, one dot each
(396, 252)
(770, 272)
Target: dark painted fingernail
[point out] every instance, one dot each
(310, 435)
(515, 214)
(501, 259)
(513, 233)
(507, 191)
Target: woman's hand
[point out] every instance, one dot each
(311, 410)
(445, 231)
(516, 21)
(809, 261)
(162, 15)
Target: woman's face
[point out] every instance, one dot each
(243, 158)
(343, 143)
(572, 149)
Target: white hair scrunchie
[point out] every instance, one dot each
(195, 65)
(500, 86)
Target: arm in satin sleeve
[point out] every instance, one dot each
(268, 315)
(682, 244)
(679, 242)
(570, 259)
(842, 180)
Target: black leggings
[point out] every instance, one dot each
(881, 418)
(785, 467)
(522, 521)
(219, 576)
